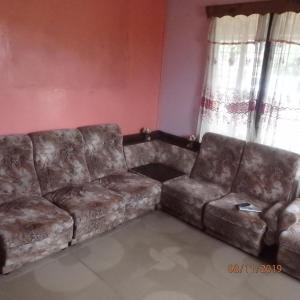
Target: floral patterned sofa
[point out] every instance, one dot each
(60, 187)
(63, 186)
(265, 179)
(30, 226)
(211, 179)
(289, 239)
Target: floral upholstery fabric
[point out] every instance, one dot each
(244, 230)
(173, 156)
(289, 239)
(185, 198)
(104, 149)
(160, 152)
(290, 216)
(31, 228)
(17, 173)
(141, 193)
(218, 160)
(271, 217)
(267, 173)
(289, 250)
(140, 154)
(93, 208)
(59, 159)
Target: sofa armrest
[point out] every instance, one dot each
(290, 216)
(271, 217)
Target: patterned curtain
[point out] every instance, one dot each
(232, 81)
(280, 116)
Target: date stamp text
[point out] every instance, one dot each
(254, 268)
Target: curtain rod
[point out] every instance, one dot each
(249, 8)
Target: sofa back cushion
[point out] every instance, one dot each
(104, 149)
(179, 158)
(59, 159)
(140, 154)
(267, 173)
(218, 160)
(17, 173)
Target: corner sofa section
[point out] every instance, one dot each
(30, 226)
(229, 172)
(158, 151)
(64, 177)
(63, 186)
(107, 165)
(289, 239)
(60, 187)
(211, 179)
(265, 179)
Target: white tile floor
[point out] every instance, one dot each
(156, 257)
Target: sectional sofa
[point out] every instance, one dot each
(61, 187)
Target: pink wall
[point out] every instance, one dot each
(65, 63)
(184, 64)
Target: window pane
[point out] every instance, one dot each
(280, 120)
(237, 47)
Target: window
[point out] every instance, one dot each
(280, 116)
(238, 100)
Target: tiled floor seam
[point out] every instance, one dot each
(100, 277)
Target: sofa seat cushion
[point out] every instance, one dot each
(26, 220)
(141, 193)
(94, 208)
(193, 192)
(244, 230)
(186, 197)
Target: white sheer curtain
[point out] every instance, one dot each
(233, 75)
(280, 116)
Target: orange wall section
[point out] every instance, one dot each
(67, 63)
